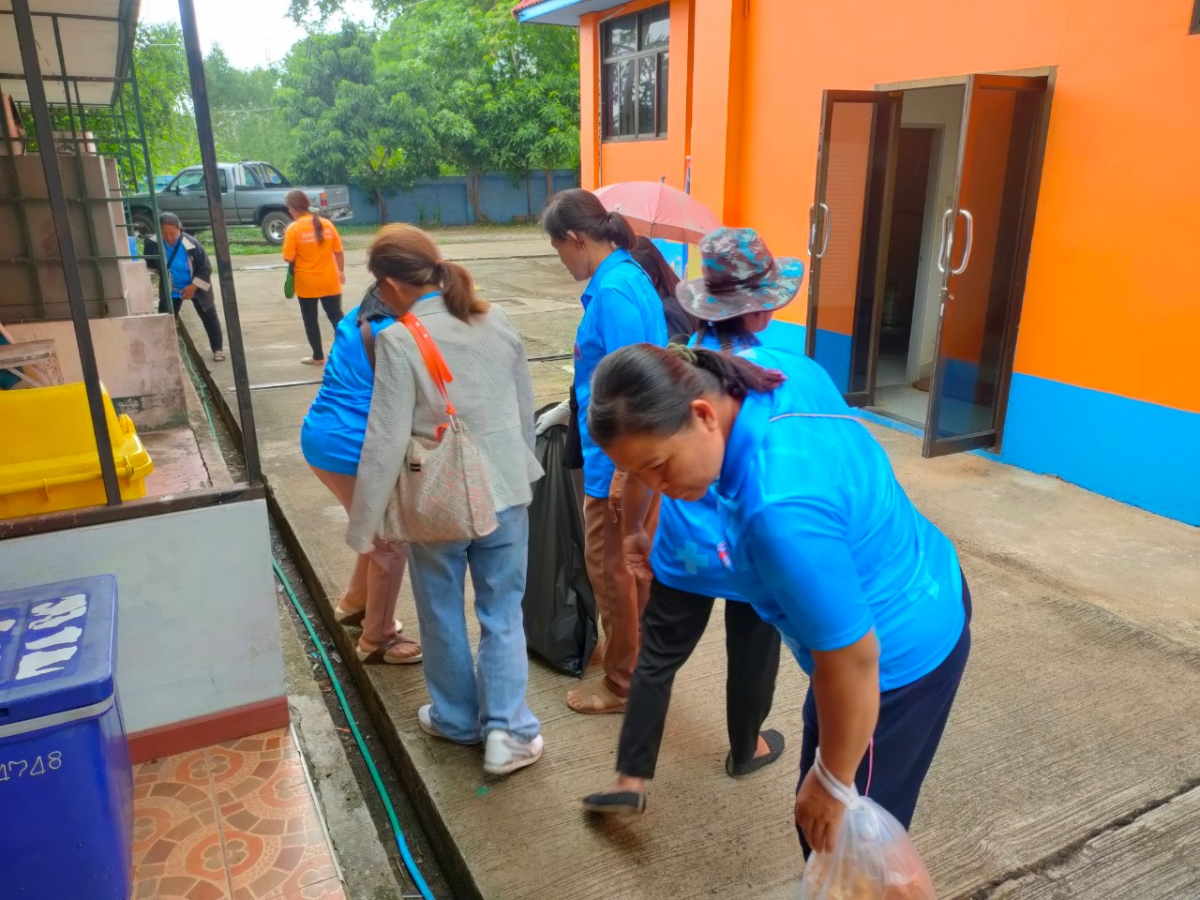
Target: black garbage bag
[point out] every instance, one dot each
(560, 608)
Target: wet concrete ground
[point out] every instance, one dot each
(1069, 769)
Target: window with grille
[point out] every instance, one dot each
(634, 81)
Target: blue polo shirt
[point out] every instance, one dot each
(333, 432)
(685, 545)
(823, 541)
(620, 307)
(180, 268)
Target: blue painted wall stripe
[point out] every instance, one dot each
(1136, 452)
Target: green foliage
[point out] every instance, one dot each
(347, 122)
(478, 91)
(444, 87)
(247, 123)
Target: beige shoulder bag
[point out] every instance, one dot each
(443, 493)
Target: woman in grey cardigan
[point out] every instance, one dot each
(473, 701)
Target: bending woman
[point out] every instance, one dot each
(332, 442)
(823, 542)
(479, 700)
(686, 572)
(620, 307)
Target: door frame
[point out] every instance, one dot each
(1029, 208)
(932, 445)
(1025, 231)
(820, 230)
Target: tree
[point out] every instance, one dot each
(246, 120)
(347, 125)
(499, 96)
(165, 92)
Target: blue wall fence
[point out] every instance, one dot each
(444, 200)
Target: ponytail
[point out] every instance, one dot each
(458, 291)
(298, 201)
(643, 389)
(618, 230)
(581, 212)
(408, 254)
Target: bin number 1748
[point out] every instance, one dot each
(19, 768)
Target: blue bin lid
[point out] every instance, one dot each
(57, 647)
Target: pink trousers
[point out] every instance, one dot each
(377, 576)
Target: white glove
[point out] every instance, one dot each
(560, 415)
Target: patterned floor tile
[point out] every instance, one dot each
(329, 889)
(236, 821)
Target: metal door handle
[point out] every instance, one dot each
(941, 257)
(962, 266)
(828, 229)
(812, 228)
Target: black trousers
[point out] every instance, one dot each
(208, 315)
(312, 322)
(911, 722)
(671, 628)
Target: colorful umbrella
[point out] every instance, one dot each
(658, 211)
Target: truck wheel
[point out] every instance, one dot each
(143, 225)
(274, 224)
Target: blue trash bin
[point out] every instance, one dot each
(66, 786)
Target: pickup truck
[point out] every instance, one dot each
(251, 192)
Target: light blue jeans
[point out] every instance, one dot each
(472, 698)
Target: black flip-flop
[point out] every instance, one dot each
(620, 803)
(775, 744)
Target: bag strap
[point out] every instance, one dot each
(174, 252)
(368, 339)
(435, 363)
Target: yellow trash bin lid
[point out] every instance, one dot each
(48, 458)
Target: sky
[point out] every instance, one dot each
(251, 32)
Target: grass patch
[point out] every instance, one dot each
(249, 241)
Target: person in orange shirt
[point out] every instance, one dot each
(314, 246)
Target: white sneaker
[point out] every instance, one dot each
(505, 754)
(426, 723)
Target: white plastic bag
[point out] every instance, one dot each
(872, 858)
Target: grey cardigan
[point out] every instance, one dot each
(492, 391)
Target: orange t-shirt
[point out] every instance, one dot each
(316, 270)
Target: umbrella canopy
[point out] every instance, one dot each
(658, 211)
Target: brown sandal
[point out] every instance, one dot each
(379, 656)
(599, 699)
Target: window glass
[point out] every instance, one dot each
(622, 36)
(647, 75)
(190, 181)
(655, 28)
(633, 86)
(662, 92)
(251, 177)
(274, 177)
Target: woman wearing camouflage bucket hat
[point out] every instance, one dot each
(684, 568)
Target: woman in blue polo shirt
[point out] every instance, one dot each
(620, 307)
(822, 540)
(332, 441)
(684, 569)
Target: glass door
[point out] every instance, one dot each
(983, 255)
(848, 235)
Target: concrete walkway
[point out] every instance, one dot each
(1069, 770)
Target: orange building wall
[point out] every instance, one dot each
(1112, 301)
(611, 162)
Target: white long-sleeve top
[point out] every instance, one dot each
(492, 392)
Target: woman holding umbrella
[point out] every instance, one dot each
(620, 307)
